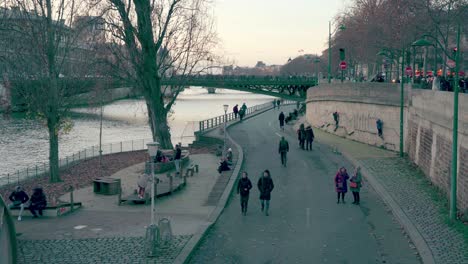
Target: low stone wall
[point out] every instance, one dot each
(428, 117)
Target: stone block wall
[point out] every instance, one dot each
(428, 118)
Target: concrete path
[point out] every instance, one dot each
(305, 224)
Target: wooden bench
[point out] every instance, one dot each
(107, 186)
(52, 211)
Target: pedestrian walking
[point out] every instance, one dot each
(242, 111)
(235, 109)
(309, 135)
(274, 104)
(177, 157)
(379, 124)
(265, 186)
(301, 136)
(281, 120)
(278, 102)
(142, 184)
(18, 198)
(341, 184)
(243, 188)
(283, 150)
(336, 117)
(38, 202)
(355, 184)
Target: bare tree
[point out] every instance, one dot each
(39, 40)
(162, 39)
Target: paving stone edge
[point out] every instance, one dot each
(186, 252)
(413, 232)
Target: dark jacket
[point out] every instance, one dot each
(38, 199)
(178, 154)
(281, 119)
(243, 186)
(20, 197)
(309, 133)
(301, 134)
(223, 166)
(235, 109)
(341, 182)
(265, 186)
(283, 146)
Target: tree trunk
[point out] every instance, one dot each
(52, 124)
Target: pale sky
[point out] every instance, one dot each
(273, 30)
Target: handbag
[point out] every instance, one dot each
(353, 184)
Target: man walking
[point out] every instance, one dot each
(281, 120)
(235, 109)
(283, 150)
(278, 102)
(177, 156)
(243, 188)
(309, 132)
(265, 186)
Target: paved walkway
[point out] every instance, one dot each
(103, 232)
(305, 225)
(411, 191)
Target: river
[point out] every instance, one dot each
(24, 142)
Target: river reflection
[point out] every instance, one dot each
(25, 142)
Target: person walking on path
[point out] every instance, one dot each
(309, 135)
(177, 157)
(242, 111)
(278, 102)
(355, 184)
(38, 202)
(265, 186)
(336, 117)
(142, 184)
(281, 120)
(301, 136)
(341, 184)
(18, 198)
(283, 150)
(243, 188)
(379, 124)
(274, 104)
(235, 109)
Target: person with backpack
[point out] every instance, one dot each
(243, 188)
(355, 184)
(281, 120)
(283, 150)
(265, 186)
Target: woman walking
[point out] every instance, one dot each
(243, 188)
(341, 184)
(265, 186)
(355, 184)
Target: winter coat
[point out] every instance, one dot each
(19, 197)
(235, 109)
(38, 199)
(244, 107)
(283, 146)
(265, 186)
(357, 179)
(178, 154)
(301, 134)
(243, 186)
(144, 180)
(341, 182)
(281, 119)
(309, 134)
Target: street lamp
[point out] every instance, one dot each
(225, 121)
(341, 27)
(152, 233)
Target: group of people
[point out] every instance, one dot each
(36, 203)
(239, 112)
(265, 187)
(306, 136)
(355, 184)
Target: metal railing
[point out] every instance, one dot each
(42, 169)
(219, 120)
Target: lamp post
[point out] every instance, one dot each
(341, 27)
(152, 233)
(225, 121)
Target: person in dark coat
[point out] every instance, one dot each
(18, 198)
(379, 124)
(283, 150)
(177, 157)
(309, 134)
(265, 186)
(235, 109)
(301, 136)
(341, 184)
(336, 117)
(281, 120)
(243, 188)
(223, 165)
(278, 102)
(355, 185)
(38, 202)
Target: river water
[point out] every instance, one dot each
(24, 142)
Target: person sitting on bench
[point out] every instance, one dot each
(229, 156)
(18, 198)
(223, 165)
(38, 202)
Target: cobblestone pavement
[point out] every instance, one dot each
(411, 192)
(97, 250)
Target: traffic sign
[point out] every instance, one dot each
(408, 70)
(343, 65)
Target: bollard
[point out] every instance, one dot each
(196, 168)
(165, 230)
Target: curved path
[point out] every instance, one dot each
(305, 223)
